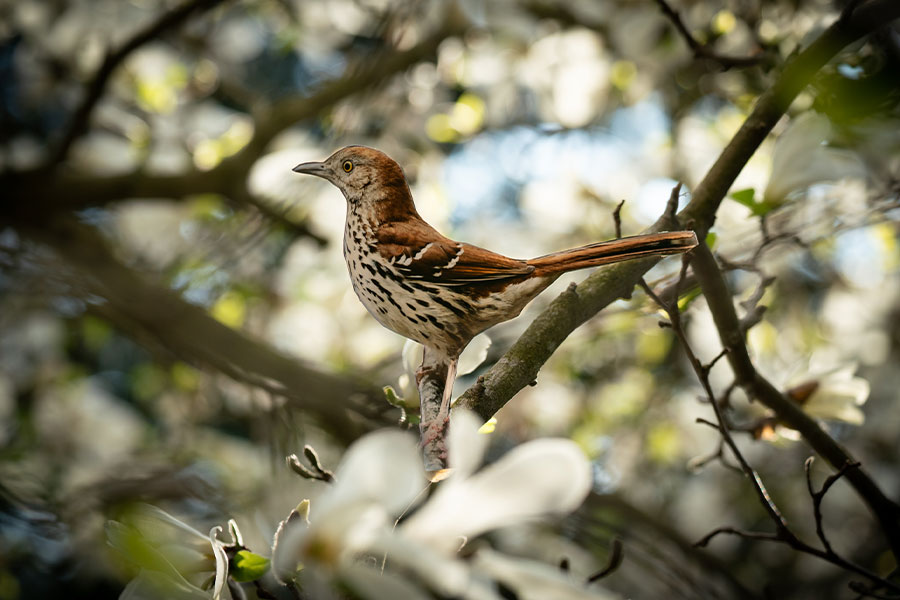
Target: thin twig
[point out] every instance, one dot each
(617, 218)
(783, 533)
(703, 375)
(818, 496)
(702, 50)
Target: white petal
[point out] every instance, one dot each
(538, 478)
(333, 537)
(382, 467)
(474, 354)
(533, 580)
(287, 543)
(804, 132)
(838, 397)
(855, 391)
(447, 576)
(152, 585)
(412, 357)
(221, 562)
(801, 159)
(236, 538)
(373, 585)
(144, 512)
(466, 446)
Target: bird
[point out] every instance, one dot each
(432, 289)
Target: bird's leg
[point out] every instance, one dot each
(435, 383)
(448, 389)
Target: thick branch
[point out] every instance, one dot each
(519, 366)
(431, 379)
(74, 191)
(797, 74)
(156, 315)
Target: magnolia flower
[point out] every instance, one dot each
(532, 580)
(536, 478)
(377, 479)
(174, 559)
(835, 395)
(802, 158)
(381, 477)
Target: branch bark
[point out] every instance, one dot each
(521, 363)
(721, 306)
(519, 366)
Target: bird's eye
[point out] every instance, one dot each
(347, 166)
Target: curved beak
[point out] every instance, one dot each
(319, 169)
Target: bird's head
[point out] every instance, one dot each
(369, 178)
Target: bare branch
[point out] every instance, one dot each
(703, 375)
(157, 316)
(721, 306)
(818, 496)
(431, 378)
(521, 363)
(751, 535)
(617, 218)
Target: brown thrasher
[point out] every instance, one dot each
(430, 289)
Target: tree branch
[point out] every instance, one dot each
(796, 75)
(702, 50)
(78, 123)
(157, 316)
(73, 191)
(521, 363)
(721, 306)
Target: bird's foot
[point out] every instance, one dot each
(434, 430)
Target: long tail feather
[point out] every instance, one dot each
(603, 253)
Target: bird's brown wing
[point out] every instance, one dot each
(419, 252)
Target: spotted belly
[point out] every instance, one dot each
(442, 317)
(421, 312)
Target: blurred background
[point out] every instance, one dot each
(175, 314)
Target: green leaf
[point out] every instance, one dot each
(392, 398)
(248, 566)
(763, 208)
(745, 197)
(686, 298)
(711, 238)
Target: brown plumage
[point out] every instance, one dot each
(434, 290)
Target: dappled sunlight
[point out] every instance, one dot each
(176, 315)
